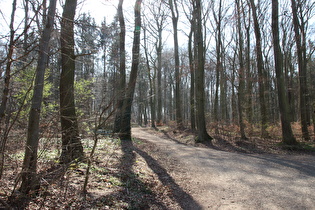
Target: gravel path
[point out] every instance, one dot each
(223, 180)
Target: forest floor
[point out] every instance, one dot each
(165, 169)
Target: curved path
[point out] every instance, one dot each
(223, 180)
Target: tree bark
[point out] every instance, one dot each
(71, 144)
(261, 70)
(151, 82)
(174, 11)
(203, 136)
(29, 168)
(287, 134)
(125, 131)
(218, 68)
(122, 67)
(159, 74)
(192, 77)
(302, 65)
(241, 86)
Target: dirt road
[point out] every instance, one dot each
(223, 180)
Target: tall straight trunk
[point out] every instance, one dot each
(313, 117)
(287, 134)
(241, 86)
(203, 135)
(192, 79)
(30, 180)
(159, 75)
(218, 68)
(302, 65)
(174, 11)
(122, 67)
(233, 99)
(261, 70)
(151, 83)
(125, 130)
(249, 83)
(71, 144)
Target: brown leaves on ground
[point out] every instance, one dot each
(120, 178)
(124, 174)
(228, 139)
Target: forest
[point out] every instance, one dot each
(73, 88)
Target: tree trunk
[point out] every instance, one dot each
(241, 86)
(29, 168)
(71, 144)
(261, 70)
(218, 67)
(125, 131)
(302, 65)
(174, 11)
(287, 134)
(203, 136)
(122, 67)
(159, 76)
(192, 78)
(313, 117)
(151, 82)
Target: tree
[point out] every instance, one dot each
(5, 94)
(241, 85)
(175, 15)
(71, 144)
(151, 77)
(300, 40)
(203, 136)
(159, 14)
(260, 68)
(192, 74)
(7, 77)
(287, 134)
(29, 168)
(122, 67)
(87, 47)
(219, 67)
(125, 130)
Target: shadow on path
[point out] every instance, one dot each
(185, 200)
(135, 186)
(139, 196)
(306, 167)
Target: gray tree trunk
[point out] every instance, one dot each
(241, 86)
(287, 134)
(151, 82)
(299, 31)
(122, 67)
(71, 144)
(125, 131)
(174, 12)
(29, 168)
(192, 77)
(203, 135)
(218, 21)
(261, 70)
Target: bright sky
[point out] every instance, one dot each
(102, 8)
(97, 8)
